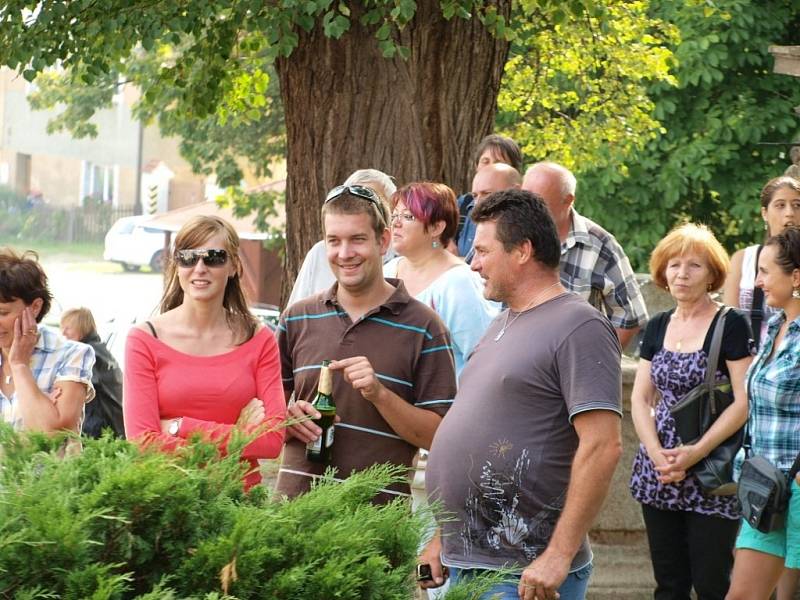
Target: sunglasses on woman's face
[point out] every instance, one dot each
(211, 257)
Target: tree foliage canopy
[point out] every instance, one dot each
(574, 87)
(707, 162)
(660, 107)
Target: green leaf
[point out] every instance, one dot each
(384, 31)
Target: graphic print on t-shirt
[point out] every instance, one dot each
(493, 521)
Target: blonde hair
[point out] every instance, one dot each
(81, 318)
(194, 233)
(684, 239)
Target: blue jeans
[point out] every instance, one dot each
(573, 588)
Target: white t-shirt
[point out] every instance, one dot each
(457, 297)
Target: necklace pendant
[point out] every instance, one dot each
(8, 379)
(499, 335)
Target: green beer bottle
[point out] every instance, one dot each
(320, 449)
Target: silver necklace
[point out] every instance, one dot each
(530, 306)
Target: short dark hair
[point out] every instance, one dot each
(504, 146)
(521, 216)
(23, 278)
(349, 204)
(788, 244)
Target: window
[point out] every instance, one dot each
(99, 182)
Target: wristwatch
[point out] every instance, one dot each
(175, 426)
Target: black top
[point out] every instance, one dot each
(105, 411)
(735, 344)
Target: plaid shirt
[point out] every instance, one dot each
(774, 396)
(594, 266)
(54, 359)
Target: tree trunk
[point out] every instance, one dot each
(348, 108)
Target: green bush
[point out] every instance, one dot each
(116, 522)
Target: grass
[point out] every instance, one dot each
(49, 250)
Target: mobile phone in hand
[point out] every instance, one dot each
(424, 572)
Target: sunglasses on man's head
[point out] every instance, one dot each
(354, 190)
(211, 257)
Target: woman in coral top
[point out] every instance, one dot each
(204, 365)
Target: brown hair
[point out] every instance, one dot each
(504, 146)
(430, 203)
(348, 204)
(194, 233)
(22, 278)
(82, 319)
(686, 238)
(787, 243)
(773, 185)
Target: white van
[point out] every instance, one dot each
(132, 244)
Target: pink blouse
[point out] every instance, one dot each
(209, 392)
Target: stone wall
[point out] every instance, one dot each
(621, 517)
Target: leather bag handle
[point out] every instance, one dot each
(713, 356)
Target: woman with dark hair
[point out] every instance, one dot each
(204, 365)
(689, 531)
(424, 220)
(498, 149)
(491, 150)
(780, 208)
(774, 422)
(105, 412)
(46, 380)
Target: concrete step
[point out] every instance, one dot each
(622, 571)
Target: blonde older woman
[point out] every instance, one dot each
(691, 534)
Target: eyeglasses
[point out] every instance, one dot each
(355, 190)
(211, 257)
(404, 217)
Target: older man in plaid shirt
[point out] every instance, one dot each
(593, 264)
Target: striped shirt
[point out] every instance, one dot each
(774, 395)
(409, 348)
(594, 265)
(54, 359)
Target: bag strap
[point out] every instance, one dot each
(716, 345)
(746, 442)
(795, 468)
(757, 308)
(713, 359)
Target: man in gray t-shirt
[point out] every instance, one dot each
(524, 458)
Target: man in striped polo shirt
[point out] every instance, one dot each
(393, 368)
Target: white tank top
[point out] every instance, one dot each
(746, 285)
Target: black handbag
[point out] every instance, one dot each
(697, 411)
(764, 493)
